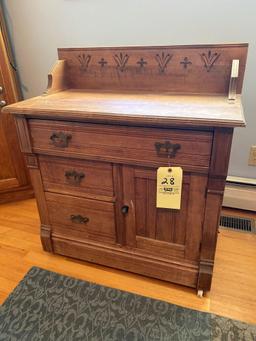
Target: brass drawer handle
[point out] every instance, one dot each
(74, 177)
(60, 139)
(78, 219)
(167, 148)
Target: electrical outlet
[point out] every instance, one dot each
(252, 157)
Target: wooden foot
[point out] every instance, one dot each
(205, 275)
(46, 238)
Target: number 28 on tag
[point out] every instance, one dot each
(169, 187)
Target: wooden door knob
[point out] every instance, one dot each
(2, 103)
(125, 209)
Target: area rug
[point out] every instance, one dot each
(48, 306)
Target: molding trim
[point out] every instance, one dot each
(239, 180)
(240, 196)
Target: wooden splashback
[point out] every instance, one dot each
(176, 69)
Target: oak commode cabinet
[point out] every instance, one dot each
(94, 140)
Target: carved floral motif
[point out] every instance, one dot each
(163, 60)
(121, 60)
(84, 61)
(209, 59)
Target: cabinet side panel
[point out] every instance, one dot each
(214, 196)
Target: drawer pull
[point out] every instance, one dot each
(74, 176)
(60, 139)
(167, 148)
(78, 219)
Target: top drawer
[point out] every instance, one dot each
(135, 145)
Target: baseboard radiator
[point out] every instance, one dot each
(240, 193)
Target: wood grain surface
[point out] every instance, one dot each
(181, 69)
(151, 109)
(122, 144)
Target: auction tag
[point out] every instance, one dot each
(169, 187)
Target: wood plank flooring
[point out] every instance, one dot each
(234, 280)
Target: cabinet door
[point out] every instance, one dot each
(162, 232)
(12, 168)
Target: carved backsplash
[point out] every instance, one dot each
(177, 69)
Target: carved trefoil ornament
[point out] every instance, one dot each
(102, 62)
(163, 60)
(31, 160)
(185, 62)
(121, 61)
(84, 61)
(142, 62)
(209, 59)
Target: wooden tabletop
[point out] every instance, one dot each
(140, 108)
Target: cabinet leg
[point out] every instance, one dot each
(46, 238)
(205, 275)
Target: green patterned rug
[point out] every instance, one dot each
(48, 306)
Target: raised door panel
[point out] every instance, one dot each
(163, 232)
(7, 171)
(13, 171)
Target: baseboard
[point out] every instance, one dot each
(240, 193)
(241, 181)
(16, 194)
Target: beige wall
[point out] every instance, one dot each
(38, 27)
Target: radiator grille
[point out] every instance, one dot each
(238, 223)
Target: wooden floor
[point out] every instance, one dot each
(234, 281)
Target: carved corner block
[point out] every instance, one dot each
(46, 239)
(205, 275)
(31, 161)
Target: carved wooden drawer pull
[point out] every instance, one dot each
(74, 177)
(60, 139)
(167, 148)
(78, 219)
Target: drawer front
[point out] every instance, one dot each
(147, 146)
(82, 219)
(77, 177)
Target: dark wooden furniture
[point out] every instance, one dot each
(14, 177)
(94, 141)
